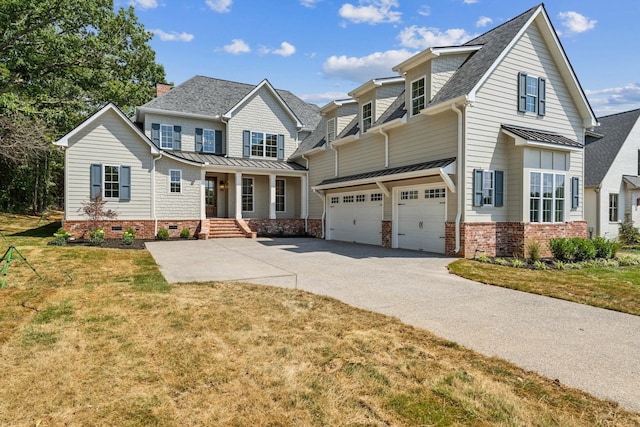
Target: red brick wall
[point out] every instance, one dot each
(386, 234)
(162, 88)
(541, 233)
(314, 228)
(276, 227)
(144, 228)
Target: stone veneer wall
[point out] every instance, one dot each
(314, 228)
(144, 228)
(508, 238)
(276, 227)
(386, 234)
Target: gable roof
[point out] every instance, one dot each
(316, 139)
(210, 97)
(600, 153)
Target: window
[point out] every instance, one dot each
(376, 197)
(531, 94)
(111, 182)
(266, 144)
(417, 96)
(271, 145)
(257, 144)
(434, 193)
(247, 194)
(166, 136)
(209, 139)
(488, 188)
(546, 197)
(361, 198)
(175, 181)
(409, 195)
(331, 130)
(367, 116)
(335, 200)
(613, 208)
(280, 195)
(347, 199)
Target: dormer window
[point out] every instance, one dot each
(331, 129)
(418, 96)
(532, 94)
(367, 116)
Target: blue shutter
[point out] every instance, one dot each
(155, 134)
(218, 142)
(542, 100)
(522, 92)
(575, 192)
(95, 178)
(198, 139)
(477, 187)
(177, 138)
(498, 176)
(246, 143)
(280, 147)
(125, 182)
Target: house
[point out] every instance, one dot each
(612, 173)
(475, 147)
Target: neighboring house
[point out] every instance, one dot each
(612, 173)
(477, 147)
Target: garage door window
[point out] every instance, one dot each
(434, 193)
(409, 195)
(376, 197)
(335, 200)
(361, 198)
(347, 199)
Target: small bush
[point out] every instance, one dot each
(62, 234)
(518, 263)
(627, 233)
(561, 249)
(605, 249)
(501, 261)
(58, 241)
(628, 261)
(559, 265)
(163, 234)
(583, 249)
(185, 233)
(483, 258)
(128, 236)
(96, 237)
(533, 249)
(539, 265)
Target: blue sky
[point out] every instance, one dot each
(322, 49)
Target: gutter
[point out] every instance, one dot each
(153, 194)
(460, 172)
(336, 159)
(306, 211)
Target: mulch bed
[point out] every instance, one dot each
(117, 243)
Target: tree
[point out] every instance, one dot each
(60, 60)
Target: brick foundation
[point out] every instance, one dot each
(508, 238)
(79, 229)
(276, 227)
(386, 234)
(314, 228)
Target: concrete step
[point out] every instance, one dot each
(225, 229)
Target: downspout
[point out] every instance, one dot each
(324, 209)
(386, 147)
(306, 216)
(335, 150)
(598, 207)
(153, 194)
(460, 174)
(226, 135)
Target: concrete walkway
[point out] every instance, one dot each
(585, 347)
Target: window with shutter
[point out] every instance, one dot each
(532, 95)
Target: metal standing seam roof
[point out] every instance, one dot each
(600, 153)
(542, 136)
(218, 160)
(391, 171)
(632, 180)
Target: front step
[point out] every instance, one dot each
(225, 229)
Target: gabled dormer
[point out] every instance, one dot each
(338, 114)
(374, 98)
(428, 71)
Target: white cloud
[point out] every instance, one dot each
(576, 23)
(470, 1)
(145, 4)
(616, 99)
(323, 98)
(309, 3)
(483, 21)
(360, 69)
(424, 10)
(236, 47)
(371, 12)
(220, 6)
(173, 36)
(422, 37)
(286, 49)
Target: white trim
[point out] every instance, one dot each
(264, 145)
(411, 98)
(374, 83)
(567, 200)
(431, 53)
(334, 121)
(362, 129)
(284, 195)
(169, 176)
(64, 141)
(213, 151)
(283, 104)
(335, 104)
(173, 113)
(253, 194)
(104, 182)
(160, 136)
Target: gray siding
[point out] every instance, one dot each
(184, 205)
(188, 127)
(321, 166)
(109, 140)
(442, 68)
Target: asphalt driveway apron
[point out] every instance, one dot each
(585, 347)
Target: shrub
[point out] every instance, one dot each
(518, 263)
(185, 233)
(605, 249)
(561, 249)
(533, 249)
(627, 233)
(483, 258)
(628, 261)
(96, 237)
(500, 261)
(559, 265)
(60, 237)
(128, 236)
(583, 249)
(163, 234)
(58, 241)
(539, 265)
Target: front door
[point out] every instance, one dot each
(211, 196)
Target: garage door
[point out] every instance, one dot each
(355, 217)
(421, 215)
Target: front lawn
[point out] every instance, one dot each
(613, 288)
(105, 340)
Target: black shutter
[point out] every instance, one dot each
(155, 134)
(95, 178)
(177, 138)
(575, 192)
(477, 187)
(498, 177)
(199, 146)
(542, 100)
(246, 143)
(218, 142)
(125, 182)
(280, 147)
(522, 92)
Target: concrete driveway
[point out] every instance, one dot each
(589, 348)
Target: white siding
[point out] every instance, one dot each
(321, 167)
(109, 141)
(442, 68)
(184, 205)
(385, 95)
(188, 128)
(262, 113)
(345, 115)
(496, 104)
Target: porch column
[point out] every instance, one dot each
(238, 195)
(303, 196)
(272, 196)
(203, 209)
